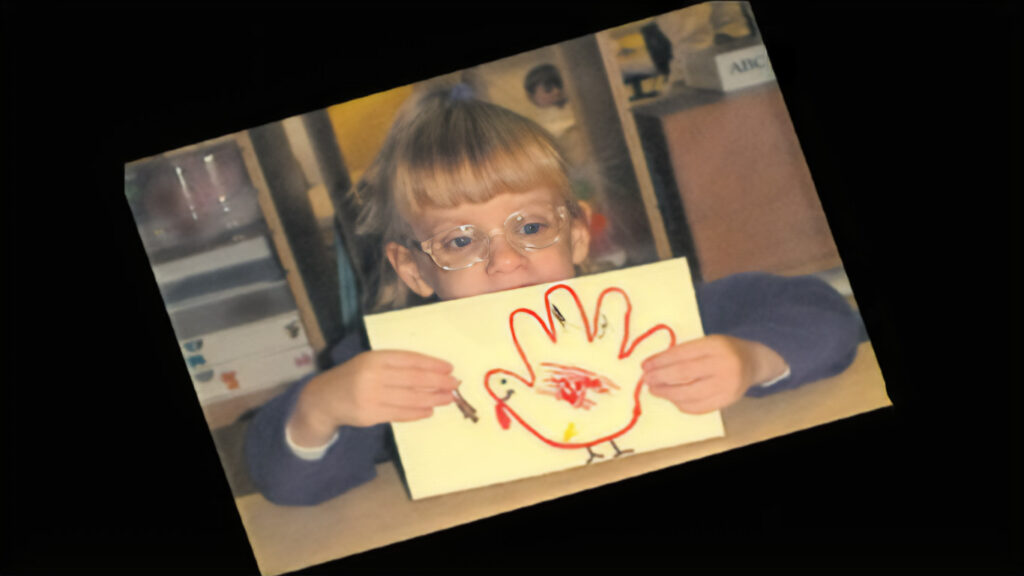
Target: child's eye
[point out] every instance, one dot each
(532, 228)
(458, 243)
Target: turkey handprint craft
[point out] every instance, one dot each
(570, 355)
(562, 397)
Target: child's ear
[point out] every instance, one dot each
(588, 212)
(580, 238)
(404, 263)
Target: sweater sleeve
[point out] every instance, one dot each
(803, 319)
(283, 477)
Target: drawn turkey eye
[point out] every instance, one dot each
(503, 381)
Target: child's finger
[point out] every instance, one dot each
(706, 398)
(692, 350)
(689, 393)
(413, 360)
(672, 376)
(682, 372)
(406, 398)
(409, 378)
(402, 414)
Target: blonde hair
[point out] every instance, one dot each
(446, 148)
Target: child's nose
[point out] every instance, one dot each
(504, 256)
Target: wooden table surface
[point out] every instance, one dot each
(380, 513)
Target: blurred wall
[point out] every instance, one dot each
(361, 125)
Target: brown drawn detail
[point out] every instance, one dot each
(467, 410)
(558, 315)
(604, 326)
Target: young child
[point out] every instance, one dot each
(468, 198)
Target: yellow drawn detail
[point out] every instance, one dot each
(570, 431)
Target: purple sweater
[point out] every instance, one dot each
(803, 319)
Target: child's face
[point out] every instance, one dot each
(544, 96)
(507, 267)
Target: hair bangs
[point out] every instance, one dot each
(467, 157)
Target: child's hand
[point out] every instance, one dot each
(373, 387)
(710, 373)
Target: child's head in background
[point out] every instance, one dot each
(469, 198)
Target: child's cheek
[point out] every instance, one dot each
(454, 284)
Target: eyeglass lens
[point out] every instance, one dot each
(527, 230)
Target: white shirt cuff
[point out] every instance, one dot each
(784, 375)
(308, 453)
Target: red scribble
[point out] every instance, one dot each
(571, 383)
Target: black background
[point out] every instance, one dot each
(908, 115)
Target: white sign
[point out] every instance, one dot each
(743, 68)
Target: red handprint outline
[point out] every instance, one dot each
(566, 382)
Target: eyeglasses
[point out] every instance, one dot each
(526, 230)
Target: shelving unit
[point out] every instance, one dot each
(720, 171)
(226, 271)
